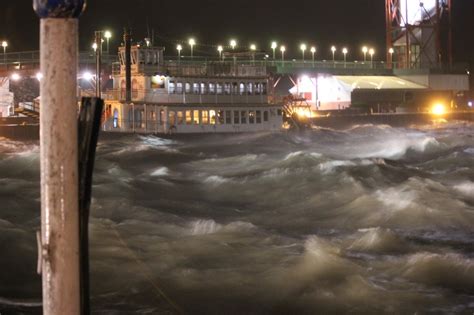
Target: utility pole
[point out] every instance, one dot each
(98, 64)
(59, 248)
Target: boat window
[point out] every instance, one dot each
(212, 115)
(189, 117)
(180, 117)
(243, 117)
(196, 117)
(220, 117)
(236, 117)
(212, 88)
(250, 88)
(205, 117)
(251, 117)
(162, 117)
(179, 87)
(265, 115)
(172, 118)
(219, 88)
(196, 88)
(203, 88)
(171, 87)
(228, 117)
(227, 88)
(187, 87)
(241, 88)
(259, 117)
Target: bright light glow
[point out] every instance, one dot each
(438, 109)
(313, 49)
(344, 51)
(107, 34)
(179, 48)
(15, 77)
(220, 48)
(371, 51)
(303, 112)
(274, 45)
(233, 43)
(94, 46)
(39, 76)
(365, 49)
(469, 103)
(282, 49)
(4, 44)
(333, 48)
(253, 47)
(391, 51)
(303, 47)
(192, 42)
(87, 76)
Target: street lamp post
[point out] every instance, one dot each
(107, 35)
(344, 51)
(233, 44)
(283, 49)
(364, 51)
(5, 45)
(371, 53)
(274, 46)
(313, 51)
(191, 43)
(303, 49)
(220, 49)
(333, 49)
(253, 48)
(391, 51)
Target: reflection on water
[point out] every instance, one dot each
(370, 220)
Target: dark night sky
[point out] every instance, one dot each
(341, 22)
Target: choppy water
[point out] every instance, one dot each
(367, 221)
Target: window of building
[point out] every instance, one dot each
(196, 88)
(187, 88)
(205, 117)
(189, 117)
(179, 88)
(235, 88)
(220, 117)
(219, 88)
(251, 117)
(265, 115)
(250, 88)
(228, 117)
(242, 88)
(203, 88)
(227, 88)
(212, 116)
(196, 117)
(264, 89)
(180, 117)
(236, 117)
(171, 87)
(259, 117)
(243, 117)
(212, 88)
(162, 117)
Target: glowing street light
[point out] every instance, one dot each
(147, 41)
(39, 76)
(253, 48)
(94, 46)
(15, 77)
(365, 50)
(333, 49)
(303, 48)
(107, 35)
(372, 53)
(345, 51)
(274, 46)
(220, 49)
(391, 51)
(233, 43)
(191, 43)
(87, 76)
(313, 51)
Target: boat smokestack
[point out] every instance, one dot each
(127, 38)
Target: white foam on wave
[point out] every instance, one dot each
(396, 199)
(466, 188)
(207, 227)
(216, 180)
(159, 172)
(378, 240)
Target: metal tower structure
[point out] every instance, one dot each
(419, 33)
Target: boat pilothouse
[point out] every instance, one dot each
(189, 95)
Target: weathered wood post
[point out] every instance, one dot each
(59, 155)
